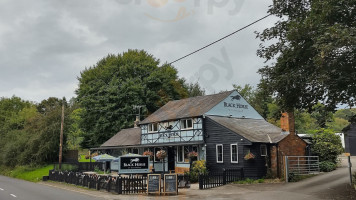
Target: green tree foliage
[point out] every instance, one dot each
(108, 91)
(327, 145)
(313, 53)
(194, 89)
(32, 131)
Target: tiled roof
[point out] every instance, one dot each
(254, 130)
(130, 136)
(184, 108)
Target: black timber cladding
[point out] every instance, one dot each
(350, 139)
(218, 134)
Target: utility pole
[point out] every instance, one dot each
(61, 138)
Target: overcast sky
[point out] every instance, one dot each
(45, 44)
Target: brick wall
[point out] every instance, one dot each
(291, 145)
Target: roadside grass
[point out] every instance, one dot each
(256, 181)
(28, 173)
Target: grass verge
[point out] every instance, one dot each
(28, 173)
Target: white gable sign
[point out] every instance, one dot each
(235, 106)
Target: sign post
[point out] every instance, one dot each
(170, 184)
(154, 184)
(349, 165)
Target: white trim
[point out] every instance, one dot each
(222, 153)
(186, 123)
(265, 146)
(237, 153)
(151, 125)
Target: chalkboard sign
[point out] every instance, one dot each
(154, 183)
(170, 183)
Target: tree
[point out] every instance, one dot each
(314, 53)
(108, 91)
(194, 89)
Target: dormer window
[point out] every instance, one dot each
(152, 127)
(186, 123)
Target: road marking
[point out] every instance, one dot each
(1, 189)
(13, 195)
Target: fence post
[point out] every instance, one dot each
(119, 185)
(286, 168)
(200, 181)
(224, 176)
(109, 184)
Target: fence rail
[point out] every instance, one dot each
(216, 179)
(301, 165)
(121, 185)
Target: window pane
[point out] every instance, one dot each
(219, 153)
(135, 151)
(154, 127)
(234, 153)
(180, 154)
(186, 152)
(183, 124)
(189, 123)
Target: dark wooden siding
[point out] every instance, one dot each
(218, 134)
(350, 140)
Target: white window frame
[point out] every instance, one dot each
(150, 128)
(181, 149)
(237, 153)
(222, 153)
(265, 148)
(184, 122)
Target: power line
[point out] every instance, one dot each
(221, 39)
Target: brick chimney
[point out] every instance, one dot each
(288, 123)
(137, 121)
(284, 122)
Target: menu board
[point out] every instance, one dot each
(154, 183)
(170, 183)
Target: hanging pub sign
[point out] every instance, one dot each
(134, 164)
(154, 184)
(170, 184)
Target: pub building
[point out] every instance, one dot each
(222, 129)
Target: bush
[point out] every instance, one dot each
(199, 167)
(326, 145)
(327, 166)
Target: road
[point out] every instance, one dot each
(14, 189)
(333, 185)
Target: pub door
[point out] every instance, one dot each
(171, 159)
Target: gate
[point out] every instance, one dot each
(301, 165)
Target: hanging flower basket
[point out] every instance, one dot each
(161, 154)
(193, 154)
(148, 153)
(249, 156)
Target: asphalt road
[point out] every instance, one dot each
(14, 189)
(333, 185)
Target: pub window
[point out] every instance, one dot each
(182, 154)
(263, 148)
(152, 127)
(219, 153)
(234, 153)
(135, 151)
(186, 123)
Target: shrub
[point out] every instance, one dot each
(199, 167)
(326, 145)
(327, 166)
